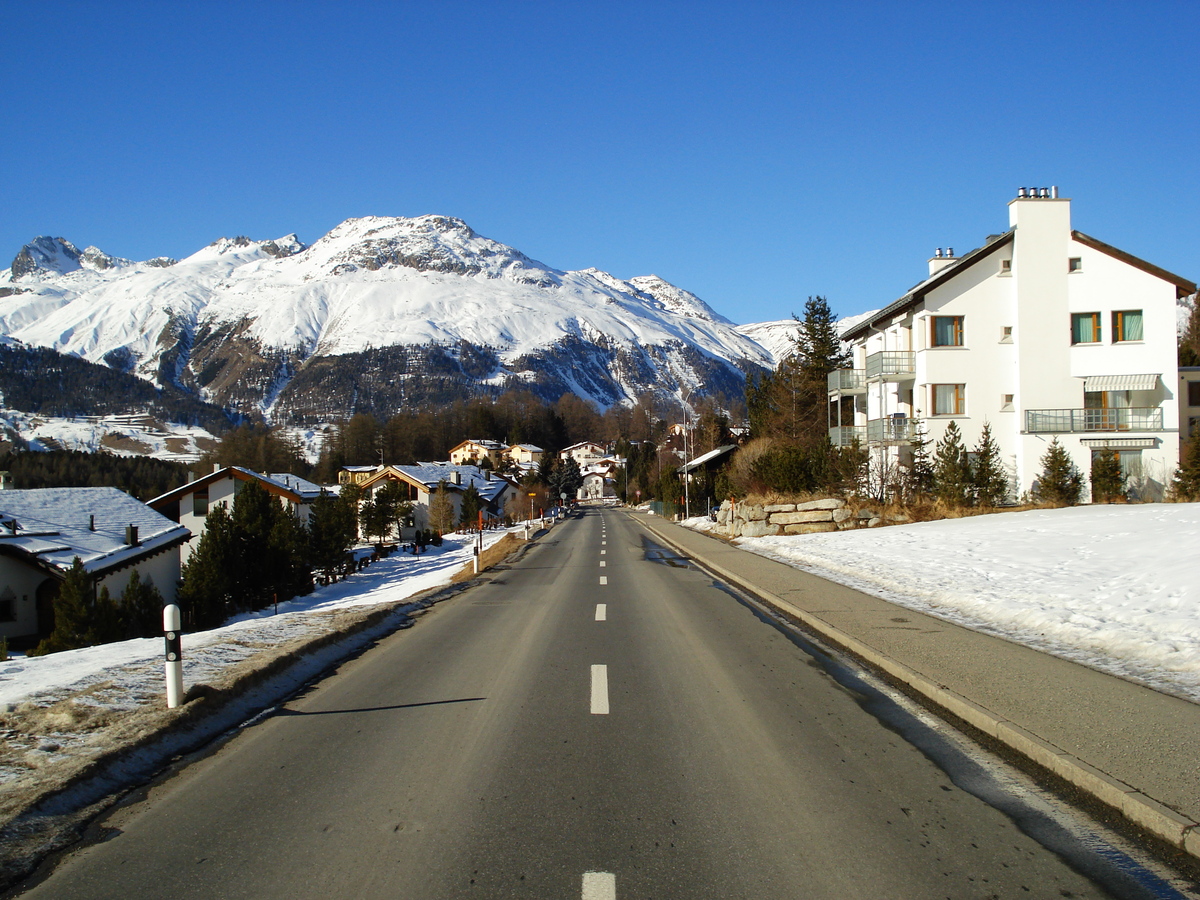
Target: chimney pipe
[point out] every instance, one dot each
(131, 536)
(92, 522)
(1054, 191)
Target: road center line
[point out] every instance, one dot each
(599, 886)
(601, 612)
(604, 579)
(603, 564)
(599, 690)
(602, 552)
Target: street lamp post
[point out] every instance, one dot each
(687, 476)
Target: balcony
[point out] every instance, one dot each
(1066, 421)
(891, 365)
(848, 381)
(846, 435)
(892, 430)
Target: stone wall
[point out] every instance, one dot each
(737, 519)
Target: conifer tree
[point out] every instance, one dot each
(468, 516)
(989, 481)
(331, 532)
(107, 620)
(141, 608)
(1061, 482)
(1186, 485)
(952, 469)
(1108, 481)
(918, 480)
(206, 590)
(72, 618)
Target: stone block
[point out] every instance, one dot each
(795, 518)
(841, 515)
(820, 504)
(779, 507)
(759, 528)
(809, 528)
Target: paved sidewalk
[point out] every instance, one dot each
(1129, 746)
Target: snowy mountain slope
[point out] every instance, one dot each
(238, 321)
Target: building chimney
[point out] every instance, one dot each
(131, 536)
(940, 260)
(92, 522)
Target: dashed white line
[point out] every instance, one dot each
(599, 690)
(602, 552)
(599, 886)
(601, 612)
(603, 564)
(604, 579)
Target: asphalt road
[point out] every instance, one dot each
(595, 723)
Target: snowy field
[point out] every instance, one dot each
(1112, 587)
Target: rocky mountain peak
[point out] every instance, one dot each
(46, 255)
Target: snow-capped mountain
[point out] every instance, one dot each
(378, 313)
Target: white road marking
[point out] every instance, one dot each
(604, 543)
(602, 552)
(601, 612)
(599, 886)
(599, 690)
(603, 564)
(604, 579)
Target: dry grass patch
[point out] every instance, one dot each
(494, 554)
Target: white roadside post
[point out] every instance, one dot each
(172, 622)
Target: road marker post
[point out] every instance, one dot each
(172, 623)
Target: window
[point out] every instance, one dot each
(1074, 264)
(947, 331)
(1006, 334)
(1006, 403)
(1127, 325)
(1006, 267)
(1085, 328)
(1131, 461)
(949, 399)
(1194, 393)
(200, 502)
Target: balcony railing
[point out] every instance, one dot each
(893, 430)
(1061, 421)
(847, 381)
(845, 435)
(891, 365)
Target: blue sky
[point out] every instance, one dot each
(753, 153)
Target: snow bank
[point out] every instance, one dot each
(1112, 587)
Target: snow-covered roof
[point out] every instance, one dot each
(52, 526)
(701, 460)
(308, 490)
(430, 474)
(532, 448)
(290, 487)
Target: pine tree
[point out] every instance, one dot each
(141, 608)
(989, 481)
(918, 480)
(1061, 482)
(72, 614)
(206, 590)
(1186, 485)
(952, 469)
(331, 532)
(472, 503)
(1108, 481)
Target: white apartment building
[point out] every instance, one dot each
(1042, 332)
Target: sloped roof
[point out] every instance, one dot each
(917, 294)
(429, 475)
(290, 487)
(704, 458)
(49, 527)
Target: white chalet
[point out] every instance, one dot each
(1043, 332)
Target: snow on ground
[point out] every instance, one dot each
(131, 671)
(121, 435)
(1116, 588)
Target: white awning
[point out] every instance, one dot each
(1093, 383)
(1119, 443)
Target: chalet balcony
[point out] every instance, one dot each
(892, 430)
(846, 435)
(891, 365)
(1068, 421)
(848, 381)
